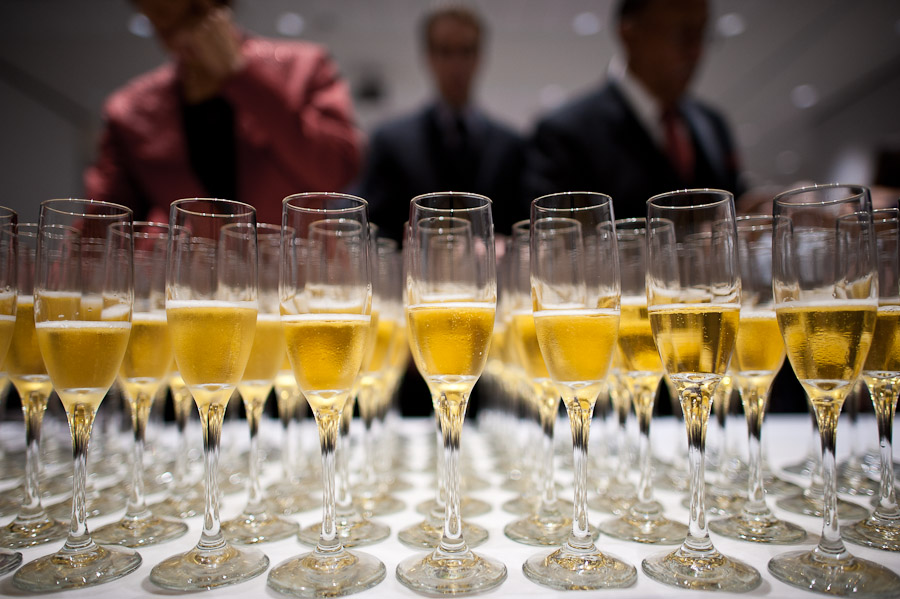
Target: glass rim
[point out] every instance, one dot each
(287, 202)
(179, 205)
(7, 213)
(607, 201)
(856, 191)
(50, 206)
(754, 222)
(883, 215)
(724, 196)
(268, 229)
(417, 201)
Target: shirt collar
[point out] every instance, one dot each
(645, 107)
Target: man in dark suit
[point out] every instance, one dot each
(639, 134)
(448, 144)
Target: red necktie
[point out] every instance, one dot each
(678, 144)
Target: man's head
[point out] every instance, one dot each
(168, 17)
(663, 41)
(452, 39)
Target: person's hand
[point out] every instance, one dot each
(209, 52)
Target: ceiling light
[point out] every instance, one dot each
(730, 25)
(140, 26)
(586, 23)
(804, 96)
(290, 24)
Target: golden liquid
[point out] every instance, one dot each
(24, 362)
(578, 345)
(827, 343)
(884, 353)
(212, 342)
(450, 342)
(268, 351)
(526, 341)
(695, 338)
(59, 306)
(637, 350)
(326, 352)
(759, 347)
(7, 325)
(384, 335)
(149, 353)
(82, 357)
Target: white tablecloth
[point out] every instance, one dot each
(787, 437)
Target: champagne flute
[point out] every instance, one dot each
(452, 297)
(326, 305)
(576, 292)
(28, 374)
(881, 372)
(10, 560)
(255, 524)
(211, 309)
(83, 295)
(643, 521)
(758, 356)
(547, 524)
(694, 314)
(826, 302)
(145, 367)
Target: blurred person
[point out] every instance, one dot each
(640, 133)
(231, 115)
(448, 144)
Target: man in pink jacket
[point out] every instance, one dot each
(230, 116)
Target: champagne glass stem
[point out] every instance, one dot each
(830, 543)
(548, 424)
(440, 499)
(885, 395)
(286, 408)
(81, 419)
(622, 408)
(211, 416)
(369, 475)
(580, 423)
(254, 409)
(343, 497)
(182, 415)
(140, 412)
(644, 411)
(452, 411)
(695, 403)
(328, 423)
(33, 408)
(755, 411)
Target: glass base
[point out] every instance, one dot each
(521, 484)
(427, 535)
(703, 571)
(573, 569)
(353, 531)
(846, 577)
(140, 532)
(97, 503)
(34, 531)
(11, 502)
(444, 573)
(470, 482)
(291, 499)
(645, 523)
(263, 527)
(198, 570)
(673, 480)
(67, 569)
(317, 574)
(379, 505)
(469, 507)
(719, 504)
(874, 531)
(232, 480)
(532, 530)
(184, 505)
(857, 485)
(804, 468)
(9, 561)
(802, 504)
(524, 505)
(612, 504)
(777, 486)
(762, 528)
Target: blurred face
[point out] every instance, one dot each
(168, 17)
(664, 45)
(453, 56)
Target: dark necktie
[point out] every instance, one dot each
(679, 148)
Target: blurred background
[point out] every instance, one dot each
(810, 87)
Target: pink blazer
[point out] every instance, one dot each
(294, 132)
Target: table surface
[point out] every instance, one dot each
(787, 439)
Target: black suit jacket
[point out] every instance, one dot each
(408, 157)
(596, 143)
